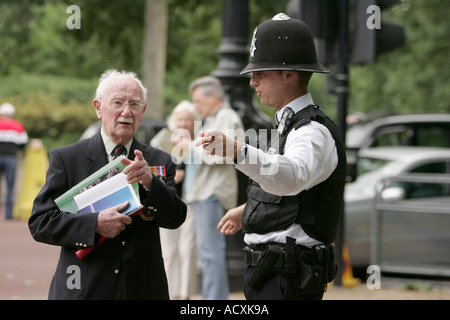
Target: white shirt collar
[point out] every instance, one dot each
(296, 105)
(110, 145)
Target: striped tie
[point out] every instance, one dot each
(118, 150)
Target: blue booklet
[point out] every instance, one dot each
(107, 194)
(102, 186)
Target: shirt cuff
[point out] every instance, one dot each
(241, 154)
(250, 164)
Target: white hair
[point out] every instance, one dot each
(208, 85)
(7, 109)
(106, 77)
(182, 106)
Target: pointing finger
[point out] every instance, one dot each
(139, 155)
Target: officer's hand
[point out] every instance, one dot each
(217, 143)
(231, 222)
(111, 222)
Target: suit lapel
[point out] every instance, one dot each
(96, 154)
(136, 145)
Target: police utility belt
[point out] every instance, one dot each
(313, 267)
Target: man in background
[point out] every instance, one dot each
(214, 188)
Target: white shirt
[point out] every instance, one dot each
(215, 176)
(310, 156)
(110, 145)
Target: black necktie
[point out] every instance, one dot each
(119, 150)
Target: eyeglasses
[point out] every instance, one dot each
(119, 105)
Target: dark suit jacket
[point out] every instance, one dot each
(127, 266)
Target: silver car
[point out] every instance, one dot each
(418, 235)
(430, 130)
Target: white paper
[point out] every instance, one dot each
(102, 190)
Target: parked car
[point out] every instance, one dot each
(147, 130)
(400, 130)
(375, 164)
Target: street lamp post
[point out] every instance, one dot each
(234, 55)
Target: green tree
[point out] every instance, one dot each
(40, 57)
(413, 78)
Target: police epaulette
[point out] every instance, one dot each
(301, 122)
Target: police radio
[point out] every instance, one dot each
(286, 121)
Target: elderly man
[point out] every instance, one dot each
(129, 264)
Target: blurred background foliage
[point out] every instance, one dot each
(50, 72)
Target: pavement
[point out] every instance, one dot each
(26, 266)
(26, 270)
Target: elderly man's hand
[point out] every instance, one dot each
(138, 170)
(111, 222)
(217, 143)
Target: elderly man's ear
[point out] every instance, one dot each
(98, 111)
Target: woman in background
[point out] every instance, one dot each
(178, 246)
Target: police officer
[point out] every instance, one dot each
(297, 183)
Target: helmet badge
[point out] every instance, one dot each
(281, 16)
(253, 45)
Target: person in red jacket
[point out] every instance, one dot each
(12, 137)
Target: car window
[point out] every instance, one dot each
(370, 171)
(433, 167)
(370, 164)
(431, 135)
(401, 137)
(420, 190)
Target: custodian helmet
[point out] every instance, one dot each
(282, 43)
